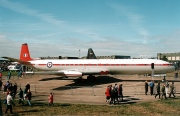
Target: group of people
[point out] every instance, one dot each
(11, 92)
(9, 87)
(162, 92)
(114, 94)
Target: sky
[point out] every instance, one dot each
(137, 28)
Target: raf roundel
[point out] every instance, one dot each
(25, 55)
(49, 64)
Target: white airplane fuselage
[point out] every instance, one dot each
(109, 66)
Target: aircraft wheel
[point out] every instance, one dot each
(88, 77)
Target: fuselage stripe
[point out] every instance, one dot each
(105, 64)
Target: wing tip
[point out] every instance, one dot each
(4, 57)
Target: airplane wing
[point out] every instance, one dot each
(67, 73)
(72, 72)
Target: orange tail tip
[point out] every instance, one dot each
(25, 55)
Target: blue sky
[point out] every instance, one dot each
(139, 28)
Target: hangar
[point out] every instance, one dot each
(171, 57)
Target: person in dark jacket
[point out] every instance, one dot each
(1, 83)
(163, 92)
(14, 90)
(146, 87)
(172, 88)
(116, 93)
(28, 96)
(28, 86)
(113, 95)
(158, 90)
(120, 92)
(20, 96)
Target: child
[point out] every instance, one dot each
(50, 99)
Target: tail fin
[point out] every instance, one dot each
(91, 54)
(25, 55)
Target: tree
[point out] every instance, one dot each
(164, 58)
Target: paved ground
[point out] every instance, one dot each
(87, 92)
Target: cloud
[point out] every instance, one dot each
(18, 7)
(135, 20)
(21, 8)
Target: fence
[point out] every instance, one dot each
(129, 90)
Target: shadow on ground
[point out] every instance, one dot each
(126, 100)
(79, 83)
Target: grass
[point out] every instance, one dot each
(159, 108)
(13, 73)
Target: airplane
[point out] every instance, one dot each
(91, 67)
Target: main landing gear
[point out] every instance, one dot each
(91, 78)
(79, 80)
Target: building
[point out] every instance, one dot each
(58, 57)
(114, 57)
(171, 57)
(98, 57)
(50, 57)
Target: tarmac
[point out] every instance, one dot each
(68, 90)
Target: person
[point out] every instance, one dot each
(5, 88)
(112, 95)
(164, 79)
(20, 96)
(14, 90)
(158, 90)
(9, 103)
(20, 73)
(163, 92)
(28, 96)
(9, 75)
(25, 93)
(146, 87)
(167, 88)
(50, 99)
(151, 84)
(10, 87)
(1, 83)
(116, 93)
(120, 92)
(0, 75)
(27, 86)
(107, 92)
(172, 88)
(8, 84)
(8, 91)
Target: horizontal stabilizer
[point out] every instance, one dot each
(17, 60)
